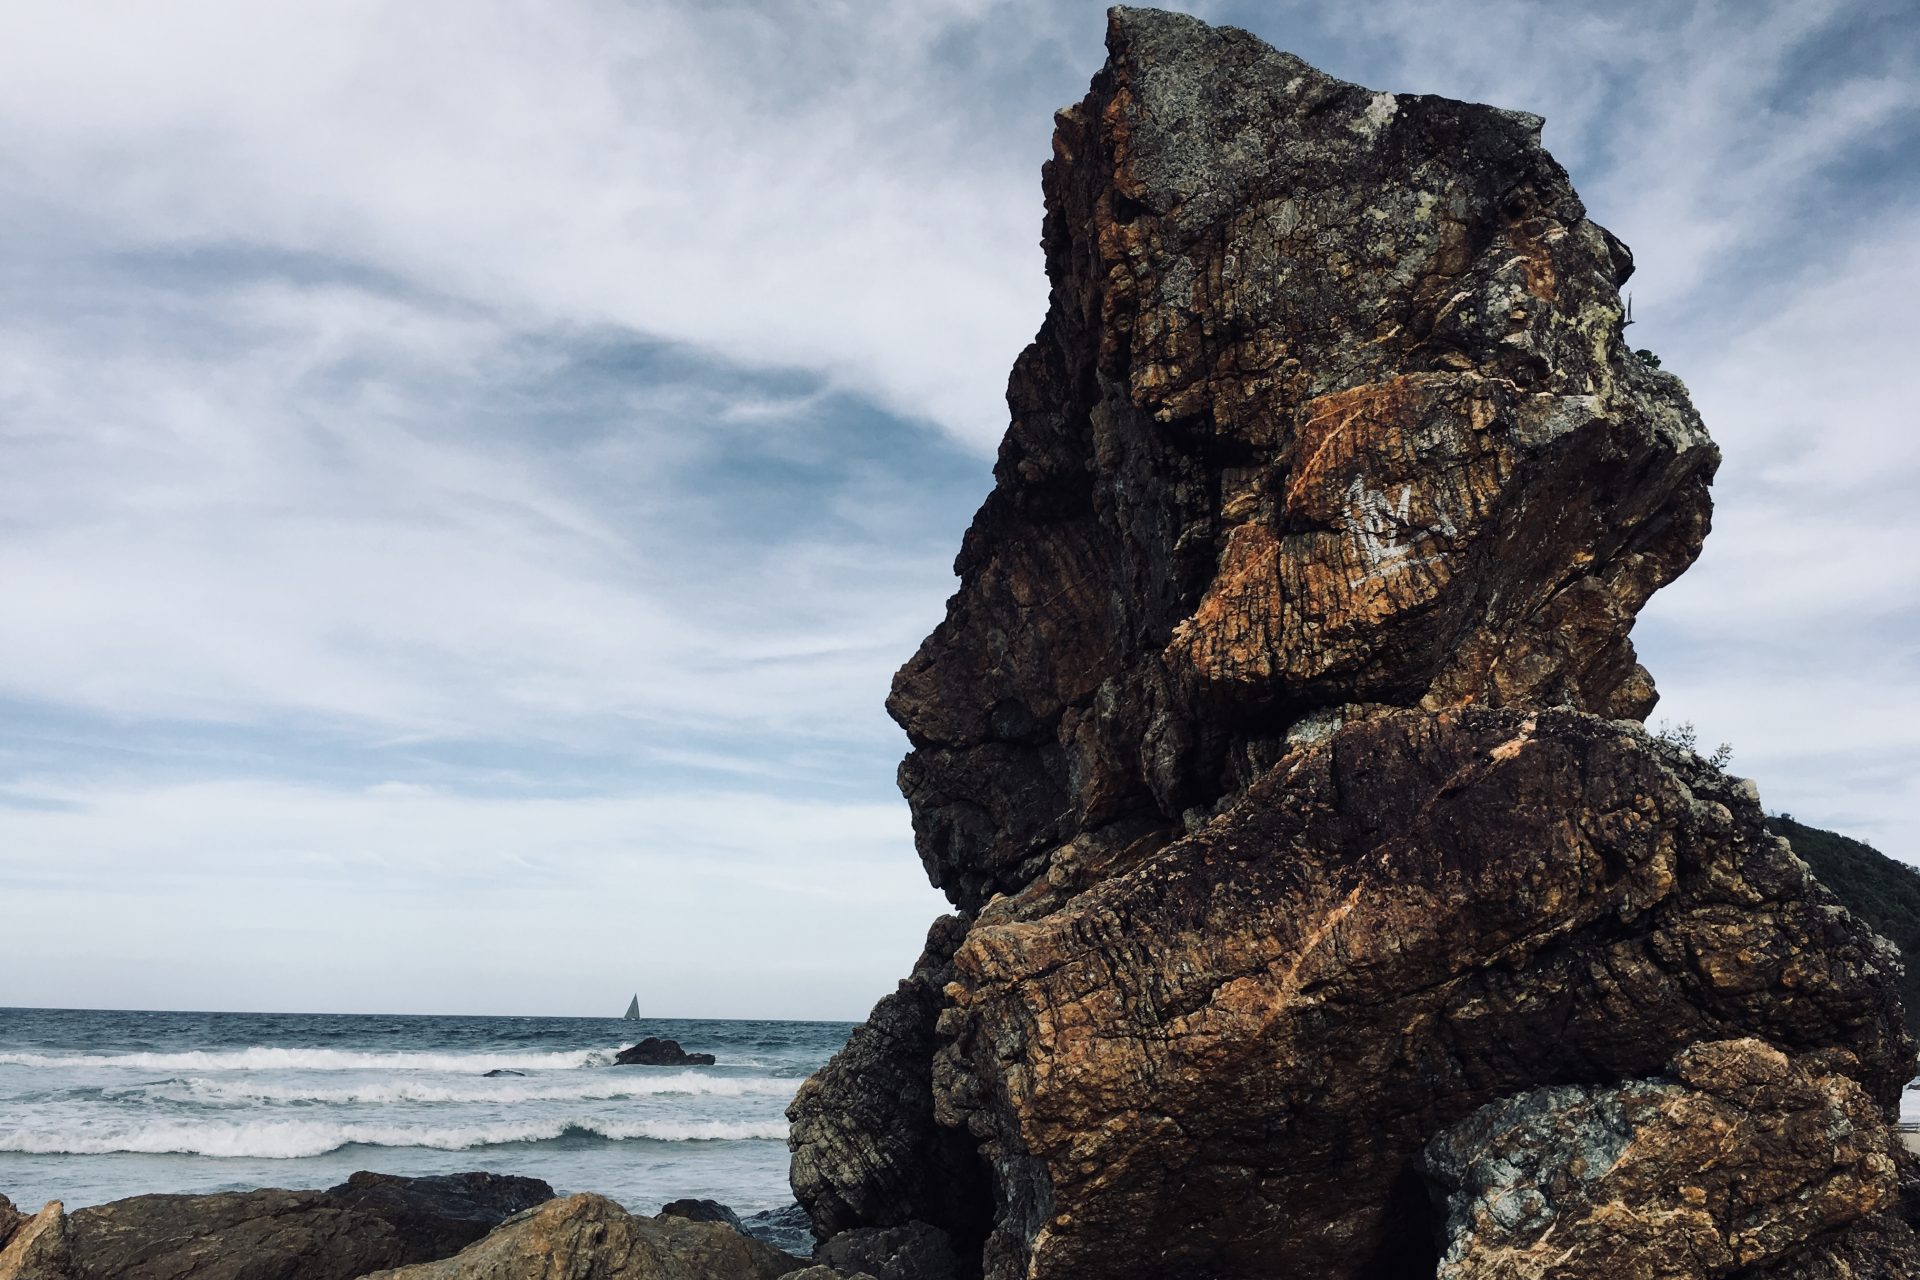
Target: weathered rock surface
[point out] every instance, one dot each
(1419, 915)
(370, 1221)
(1278, 747)
(1331, 405)
(10, 1218)
(655, 1052)
(866, 1149)
(588, 1237)
(1736, 1160)
(36, 1247)
(1883, 892)
(1881, 1248)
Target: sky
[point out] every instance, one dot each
(469, 469)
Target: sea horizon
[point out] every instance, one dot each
(415, 1013)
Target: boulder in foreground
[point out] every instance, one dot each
(370, 1221)
(588, 1237)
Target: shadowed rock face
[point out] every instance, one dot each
(866, 1150)
(1279, 746)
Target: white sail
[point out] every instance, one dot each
(633, 1008)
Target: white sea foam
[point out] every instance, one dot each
(295, 1139)
(596, 1086)
(260, 1058)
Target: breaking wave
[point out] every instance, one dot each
(260, 1058)
(295, 1139)
(598, 1086)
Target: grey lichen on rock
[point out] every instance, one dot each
(1735, 1159)
(588, 1237)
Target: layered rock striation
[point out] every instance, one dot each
(1280, 749)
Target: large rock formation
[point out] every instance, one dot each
(1280, 750)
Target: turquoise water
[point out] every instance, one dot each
(96, 1105)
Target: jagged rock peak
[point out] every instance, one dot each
(1331, 408)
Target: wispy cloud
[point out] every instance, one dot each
(340, 503)
(507, 447)
(816, 187)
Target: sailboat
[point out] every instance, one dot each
(633, 1009)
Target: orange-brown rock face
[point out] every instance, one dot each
(1227, 1060)
(1332, 405)
(1275, 747)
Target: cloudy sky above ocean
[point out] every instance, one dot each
(471, 468)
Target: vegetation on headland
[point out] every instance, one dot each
(1883, 891)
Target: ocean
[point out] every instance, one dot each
(97, 1105)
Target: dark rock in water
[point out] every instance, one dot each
(655, 1052)
(503, 1071)
(787, 1228)
(1278, 747)
(588, 1237)
(701, 1211)
(370, 1221)
(912, 1251)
